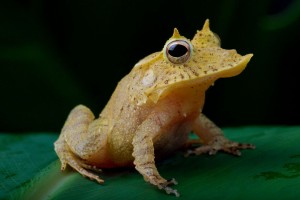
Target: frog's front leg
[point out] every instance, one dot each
(143, 152)
(214, 140)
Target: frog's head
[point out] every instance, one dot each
(182, 63)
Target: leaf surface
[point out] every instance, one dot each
(29, 169)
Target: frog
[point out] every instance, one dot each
(152, 112)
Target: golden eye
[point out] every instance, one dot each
(178, 51)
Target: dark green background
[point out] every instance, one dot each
(57, 54)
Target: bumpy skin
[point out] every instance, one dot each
(151, 113)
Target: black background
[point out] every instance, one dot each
(57, 54)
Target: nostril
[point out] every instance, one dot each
(279, 6)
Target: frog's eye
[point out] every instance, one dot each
(178, 51)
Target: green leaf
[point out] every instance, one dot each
(29, 169)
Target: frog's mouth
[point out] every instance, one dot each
(202, 75)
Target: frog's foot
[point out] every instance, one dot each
(84, 169)
(163, 184)
(220, 144)
(166, 186)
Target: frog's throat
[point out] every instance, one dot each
(202, 81)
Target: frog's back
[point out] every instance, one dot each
(116, 101)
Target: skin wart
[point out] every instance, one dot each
(152, 111)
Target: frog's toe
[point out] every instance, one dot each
(221, 145)
(63, 166)
(91, 167)
(171, 181)
(206, 149)
(169, 190)
(91, 176)
(235, 147)
(83, 168)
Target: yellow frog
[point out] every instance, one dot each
(153, 110)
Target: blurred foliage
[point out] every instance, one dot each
(56, 54)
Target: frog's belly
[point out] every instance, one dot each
(172, 139)
(167, 141)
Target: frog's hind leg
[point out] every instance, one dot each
(68, 158)
(214, 140)
(72, 147)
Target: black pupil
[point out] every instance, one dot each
(177, 50)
